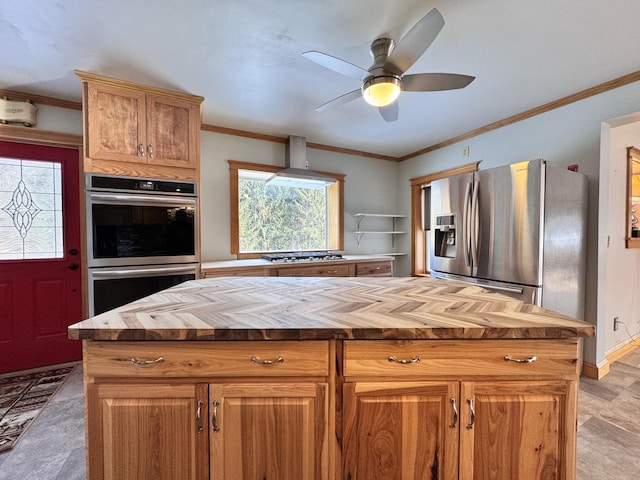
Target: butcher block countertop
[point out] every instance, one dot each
(285, 308)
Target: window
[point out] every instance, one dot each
(30, 209)
(267, 218)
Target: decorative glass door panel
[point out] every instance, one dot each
(31, 223)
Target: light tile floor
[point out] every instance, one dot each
(608, 432)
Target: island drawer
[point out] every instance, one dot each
(460, 357)
(206, 359)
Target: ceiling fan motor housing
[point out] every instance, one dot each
(382, 86)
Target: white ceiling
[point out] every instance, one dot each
(244, 57)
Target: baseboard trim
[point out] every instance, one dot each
(596, 372)
(590, 370)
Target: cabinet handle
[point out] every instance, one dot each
(145, 363)
(255, 359)
(531, 359)
(473, 414)
(332, 271)
(199, 417)
(214, 418)
(150, 150)
(415, 359)
(454, 419)
(141, 149)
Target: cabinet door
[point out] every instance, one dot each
(150, 431)
(116, 123)
(400, 431)
(521, 430)
(173, 131)
(269, 431)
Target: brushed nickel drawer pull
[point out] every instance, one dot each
(150, 150)
(332, 271)
(255, 359)
(214, 418)
(531, 359)
(473, 414)
(141, 149)
(144, 363)
(199, 417)
(454, 420)
(415, 359)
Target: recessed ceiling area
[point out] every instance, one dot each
(245, 58)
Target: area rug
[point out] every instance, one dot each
(23, 395)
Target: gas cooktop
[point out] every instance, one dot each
(301, 256)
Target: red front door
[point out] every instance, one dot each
(40, 269)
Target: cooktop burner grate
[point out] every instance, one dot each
(301, 256)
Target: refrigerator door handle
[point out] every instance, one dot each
(466, 225)
(475, 224)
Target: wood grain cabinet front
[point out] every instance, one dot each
(209, 410)
(207, 359)
(332, 409)
(131, 129)
(137, 432)
(333, 270)
(400, 430)
(269, 431)
(374, 269)
(499, 409)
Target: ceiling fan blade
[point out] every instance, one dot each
(433, 82)
(390, 112)
(341, 100)
(337, 65)
(411, 47)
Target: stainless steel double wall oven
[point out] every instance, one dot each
(142, 237)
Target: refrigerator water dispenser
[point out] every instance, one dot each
(445, 236)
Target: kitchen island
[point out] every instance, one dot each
(276, 378)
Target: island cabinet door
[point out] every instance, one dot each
(271, 431)
(518, 430)
(400, 431)
(153, 431)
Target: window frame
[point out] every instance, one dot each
(335, 210)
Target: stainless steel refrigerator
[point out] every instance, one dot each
(518, 229)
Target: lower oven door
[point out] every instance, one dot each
(113, 287)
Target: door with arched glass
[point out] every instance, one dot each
(40, 266)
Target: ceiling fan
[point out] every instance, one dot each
(385, 79)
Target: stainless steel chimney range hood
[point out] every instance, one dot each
(296, 172)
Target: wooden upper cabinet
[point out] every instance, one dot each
(173, 132)
(136, 130)
(116, 124)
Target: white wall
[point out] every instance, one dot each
(370, 187)
(565, 136)
(57, 119)
(618, 267)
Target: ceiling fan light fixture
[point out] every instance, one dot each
(382, 90)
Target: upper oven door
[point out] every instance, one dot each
(139, 229)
